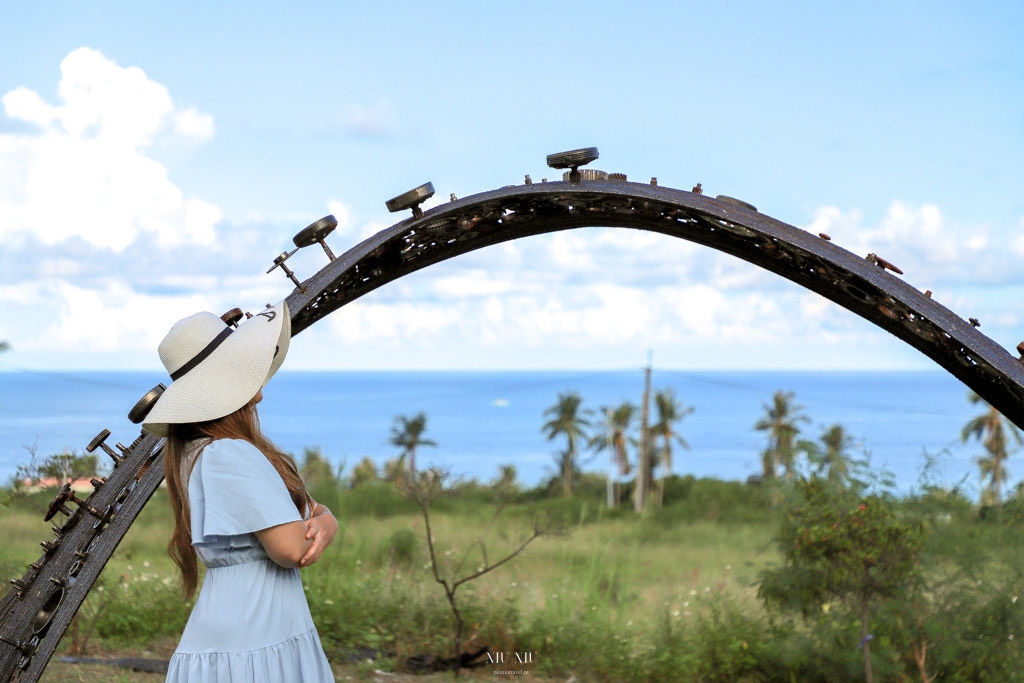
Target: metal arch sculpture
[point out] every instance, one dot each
(37, 610)
(863, 285)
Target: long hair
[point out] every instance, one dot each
(180, 455)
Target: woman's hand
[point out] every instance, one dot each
(320, 530)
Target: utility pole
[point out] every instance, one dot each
(640, 491)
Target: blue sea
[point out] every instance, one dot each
(481, 420)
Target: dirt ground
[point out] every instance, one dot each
(61, 671)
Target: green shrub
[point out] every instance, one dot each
(373, 499)
(138, 608)
(725, 642)
(689, 499)
(400, 547)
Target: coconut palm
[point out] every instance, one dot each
(394, 471)
(504, 487)
(832, 459)
(613, 438)
(407, 434)
(994, 432)
(670, 411)
(364, 473)
(316, 471)
(507, 478)
(781, 421)
(568, 420)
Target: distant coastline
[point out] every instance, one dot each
(482, 419)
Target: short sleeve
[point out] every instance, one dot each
(235, 490)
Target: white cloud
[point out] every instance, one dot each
(55, 317)
(110, 318)
(471, 283)
(922, 230)
(601, 323)
(1018, 243)
(83, 184)
(193, 125)
(341, 213)
(85, 171)
(478, 300)
(921, 241)
(375, 121)
(569, 252)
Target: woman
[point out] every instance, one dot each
(239, 505)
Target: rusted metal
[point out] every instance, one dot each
(572, 160)
(232, 317)
(882, 263)
(139, 411)
(412, 200)
(67, 495)
(316, 233)
(99, 441)
(588, 174)
(37, 611)
(279, 262)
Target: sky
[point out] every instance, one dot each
(156, 157)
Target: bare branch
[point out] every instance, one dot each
(423, 490)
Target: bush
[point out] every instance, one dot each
(978, 636)
(138, 608)
(400, 547)
(323, 483)
(690, 499)
(725, 643)
(374, 499)
(568, 512)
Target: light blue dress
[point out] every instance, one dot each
(251, 621)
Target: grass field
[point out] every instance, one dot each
(671, 595)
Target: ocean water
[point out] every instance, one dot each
(481, 420)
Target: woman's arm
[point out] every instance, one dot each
(320, 530)
(286, 544)
(300, 544)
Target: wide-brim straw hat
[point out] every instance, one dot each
(215, 368)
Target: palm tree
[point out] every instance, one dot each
(507, 476)
(567, 419)
(994, 432)
(505, 486)
(780, 421)
(670, 411)
(407, 434)
(316, 471)
(364, 473)
(613, 438)
(833, 460)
